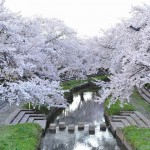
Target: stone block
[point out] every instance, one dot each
(52, 127)
(103, 126)
(91, 129)
(71, 128)
(62, 125)
(80, 125)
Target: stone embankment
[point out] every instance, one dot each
(126, 118)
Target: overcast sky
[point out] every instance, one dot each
(87, 17)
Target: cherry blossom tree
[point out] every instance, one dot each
(28, 61)
(128, 44)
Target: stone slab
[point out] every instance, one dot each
(143, 118)
(32, 119)
(103, 126)
(138, 120)
(71, 128)
(52, 127)
(131, 120)
(115, 125)
(19, 117)
(42, 123)
(124, 121)
(80, 125)
(62, 125)
(91, 128)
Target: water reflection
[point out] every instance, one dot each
(84, 109)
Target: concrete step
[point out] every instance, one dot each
(124, 121)
(20, 116)
(131, 121)
(147, 93)
(131, 112)
(128, 118)
(10, 119)
(115, 125)
(147, 99)
(138, 120)
(27, 116)
(31, 119)
(143, 118)
(42, 123)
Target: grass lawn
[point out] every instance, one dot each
(20, 137)
(139, 138)
(100, 77)
(72, 83)
(115, 108)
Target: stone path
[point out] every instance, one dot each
(128, 118)
(26, 115)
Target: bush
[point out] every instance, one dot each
(116, 108)
(42, 109)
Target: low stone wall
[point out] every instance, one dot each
(121, 140)
(118, 134)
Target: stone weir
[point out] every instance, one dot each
(126, 118)
(53, 128)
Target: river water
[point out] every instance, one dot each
(82, 109)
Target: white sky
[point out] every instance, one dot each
(87, 17)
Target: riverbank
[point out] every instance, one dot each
(130, 137)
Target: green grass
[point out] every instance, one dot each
(139, 138)
(43, 108)
(116, 108)
(72, 83)
(140, 104)
(100, 77)
(20, 136)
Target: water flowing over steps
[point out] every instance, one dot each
(128, 118)
(26, 115)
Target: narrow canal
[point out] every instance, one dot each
(82, 109)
